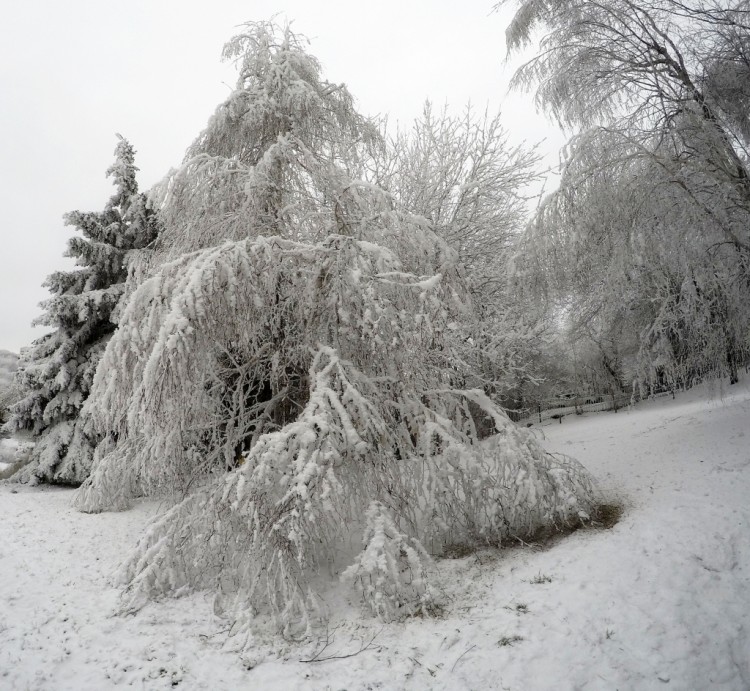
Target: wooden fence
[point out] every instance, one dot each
(558, 408)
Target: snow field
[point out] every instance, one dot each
(659, 601)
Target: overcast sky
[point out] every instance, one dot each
(74, 73)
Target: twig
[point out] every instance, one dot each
(362, 648)
(461, 655)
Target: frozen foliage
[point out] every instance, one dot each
(180, 338)
(274, 157)
(56, 371)
(461, 174)
(293, 357)
(377, 425)
(390, 570)
(651, 278)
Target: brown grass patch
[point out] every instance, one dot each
(459, 551)
(606, 516)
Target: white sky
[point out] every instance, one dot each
(73, 73)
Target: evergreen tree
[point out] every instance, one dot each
(57, 370)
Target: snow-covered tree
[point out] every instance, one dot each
(645, 275)
(293, 358)
(277, 149)
(651, 73)
(463, 176)
(649, 230)
(727, 71)
(469, 183)
(56, 371)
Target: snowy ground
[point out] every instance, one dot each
(660, 601)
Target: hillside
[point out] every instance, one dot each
(657, 601)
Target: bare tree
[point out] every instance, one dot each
(462, 175)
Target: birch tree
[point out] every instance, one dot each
(657, 90)
(639, 268)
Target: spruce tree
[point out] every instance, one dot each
(56, 371)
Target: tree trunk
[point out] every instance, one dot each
(734, 376)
